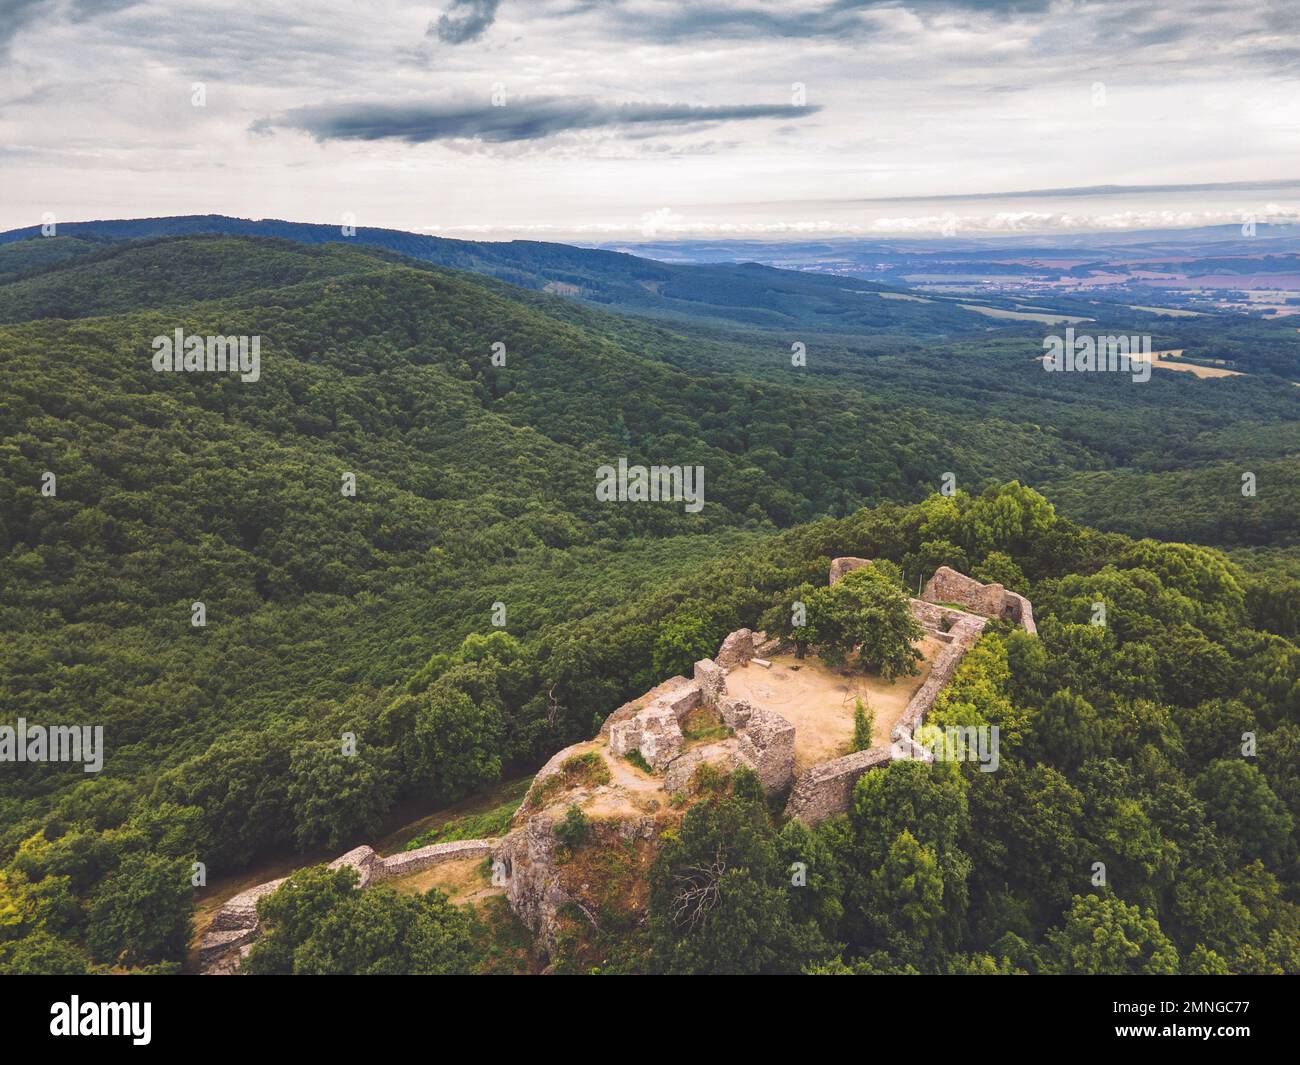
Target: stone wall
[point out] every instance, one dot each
(963, 636)
(653, 732)
(827, 789)
(765, 742)
(767, 747)
(988, 600)
(407, 862)
(736, 649)
(231, 934)
(680, 694)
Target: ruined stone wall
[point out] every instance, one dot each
(231, 934)
(407, 862)
(765, 742)
(963, 636)
(846, 564)
(988, 600)
(827, 789)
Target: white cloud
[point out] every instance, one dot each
(915, 97)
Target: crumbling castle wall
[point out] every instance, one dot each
(764, 741)
(847, 564)
(231, 934)
(827, 789)
(989, 600)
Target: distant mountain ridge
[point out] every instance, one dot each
(748, 293)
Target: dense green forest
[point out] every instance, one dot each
(373, 614)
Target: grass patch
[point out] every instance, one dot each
(638, 760)
(579, 770)
(484, 824)
(704, 725)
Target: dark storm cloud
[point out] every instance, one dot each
(519, 120)
(464, 20)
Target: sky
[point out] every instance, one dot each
(593, 120)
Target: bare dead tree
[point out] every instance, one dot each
(699, 889)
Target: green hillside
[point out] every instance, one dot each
(372, 615)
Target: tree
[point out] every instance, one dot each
(1106, 936)
(786, 619)
(379, 932)
(721, 895)
(864, 724)
(290, 914)
(449, 744)
(1068, 731)
(1244, 808)
(41, 954)
(143, 912)
(908, 888)
(684, 639)
(1000, 568)
(864, 610)
(336, 797)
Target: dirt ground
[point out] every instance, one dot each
(818, 700)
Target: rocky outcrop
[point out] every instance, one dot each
(535, 874)
(847, 564)
(528, 861)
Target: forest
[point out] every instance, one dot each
(372, 614)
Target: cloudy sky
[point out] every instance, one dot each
(609, 119)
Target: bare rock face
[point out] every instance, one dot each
(539, 884)
(527, 859)
(736, 650)
(712, 681)
(847, 564)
